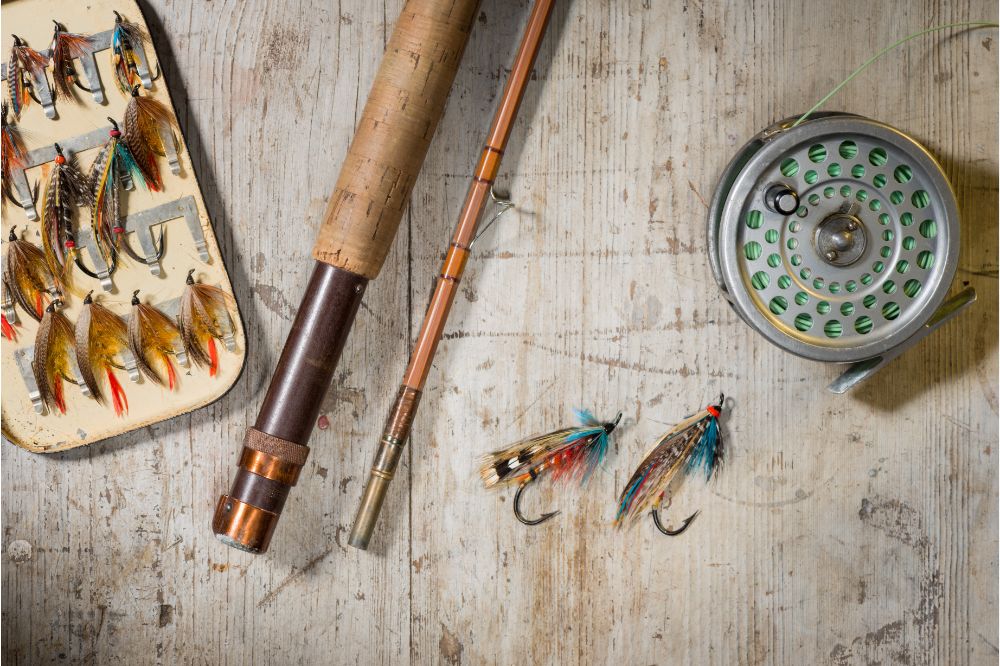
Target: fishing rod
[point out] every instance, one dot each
(400, 420)
(404, 106)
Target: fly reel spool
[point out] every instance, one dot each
(837, 239)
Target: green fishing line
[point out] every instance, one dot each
(867, 63)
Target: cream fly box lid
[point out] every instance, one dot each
(117, 307)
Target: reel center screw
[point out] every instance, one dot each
(840, 239)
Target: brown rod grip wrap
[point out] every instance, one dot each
(404, 106)
(397, 124)
(246, 517)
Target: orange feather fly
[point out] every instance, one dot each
(66, 46)
(153, 338)
(101, 340)
(25, 67)
(204, 318)
(13, 154)
(27, 275)
(146, 126)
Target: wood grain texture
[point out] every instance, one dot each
(859, 529)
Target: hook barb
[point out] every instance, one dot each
(78, 260)
(76, 82)
(517, 504)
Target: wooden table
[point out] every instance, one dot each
(859, 529)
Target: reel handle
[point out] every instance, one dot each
(862, 370)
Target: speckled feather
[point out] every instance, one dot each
(204, 317)
(66, 190)
(67, 46)
(51, 364)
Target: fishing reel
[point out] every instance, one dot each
(837, 239)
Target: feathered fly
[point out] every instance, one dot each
(126, 39)
(9, 331)
(571, 453)
(25, 69)
(113, 165)
(66, 190)
(66, 47)
(153, 338)
(147, 126)
(204, 318)
(26, 274)
(13, 157)
(693, 444)
(51, 364)
(101, 342)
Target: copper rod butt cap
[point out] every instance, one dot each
(243, 526)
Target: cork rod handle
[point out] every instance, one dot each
(398, 122)
(399, 119)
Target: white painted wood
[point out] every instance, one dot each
(846, 530)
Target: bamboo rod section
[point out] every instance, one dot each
(400, 420)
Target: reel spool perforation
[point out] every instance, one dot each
(862, 259)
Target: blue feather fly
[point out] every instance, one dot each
(694, 443)
(113, 170)
(574, 453)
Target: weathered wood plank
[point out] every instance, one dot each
(851, 530)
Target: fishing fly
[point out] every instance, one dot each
(26, 274)
(572, 453)
(114, 169)
(127, 39)
(9, 331)
(66, 190)
(153, 338)
(695, 444)
(150, 130)
(101, 345)
(13, 157)
(25, 70)
(52, 362)
(67, 46)
(204, 318)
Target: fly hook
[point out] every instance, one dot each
(666, 530)
(76, 81)
(70, 73)
(119, 19)
(78, 260)
(29, 85)
(517, 503)
(134, 255)
(10, 197)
